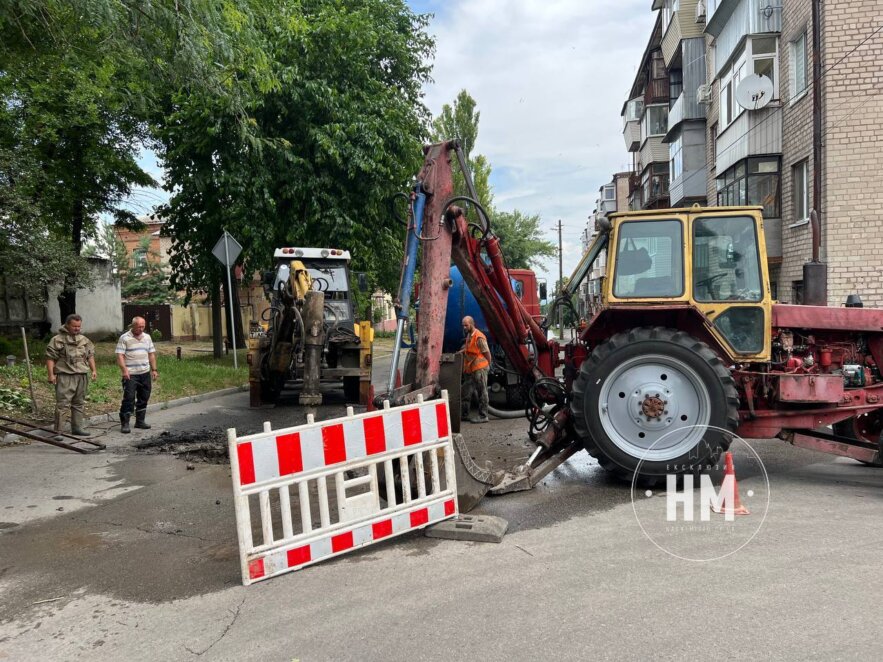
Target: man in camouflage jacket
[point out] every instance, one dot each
(70, 360)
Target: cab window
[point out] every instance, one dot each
(726, 263)
(649, 260)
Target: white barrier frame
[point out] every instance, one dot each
(360, 519)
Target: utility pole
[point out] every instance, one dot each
(560, 282)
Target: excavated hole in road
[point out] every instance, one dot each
(203, 445)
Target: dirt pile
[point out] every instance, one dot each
(203, 445)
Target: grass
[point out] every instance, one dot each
(197, 372)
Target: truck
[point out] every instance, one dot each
(279, 349)
(687, 348)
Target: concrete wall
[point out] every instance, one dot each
(100, 307)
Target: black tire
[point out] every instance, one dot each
(847, 429)
(271, 388)
(351, 388)
(717, 404)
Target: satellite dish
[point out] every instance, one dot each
(754, 92)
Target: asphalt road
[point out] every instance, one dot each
(122, 555)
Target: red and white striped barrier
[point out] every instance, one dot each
(278, 472)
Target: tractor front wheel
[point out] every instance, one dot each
(654, 401)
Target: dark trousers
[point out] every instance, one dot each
(136, 393)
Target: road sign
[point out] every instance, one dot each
(227, 249)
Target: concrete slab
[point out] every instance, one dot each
(472, 528)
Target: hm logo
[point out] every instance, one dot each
(709, 498)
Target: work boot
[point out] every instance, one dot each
(124, 424)
(77, 427)
(59, 422)
(139, 420)
(478, 419)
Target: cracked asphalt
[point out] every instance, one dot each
(127, 555)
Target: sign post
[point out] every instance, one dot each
(227, 250)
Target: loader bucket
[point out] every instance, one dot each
(473, 482)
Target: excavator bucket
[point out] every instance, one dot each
(473, 482)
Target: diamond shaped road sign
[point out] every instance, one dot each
(227, 249)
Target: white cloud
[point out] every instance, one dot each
(549, 79)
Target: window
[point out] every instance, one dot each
(759, 56)
(726, 262)
(667, 12)
(677, 157)
(798, 80)
(609, 192)
(713, 144)
(797, 291)
(753, 181)
(675, 84)
(649, 260)
(139, 258)
(655, 121)
(800, 191)
(657, 66)
(634, 109)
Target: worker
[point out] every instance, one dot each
(476, 363)
(582, 324)
(70, 359)
(136, 357)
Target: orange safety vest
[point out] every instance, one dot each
(473, 358)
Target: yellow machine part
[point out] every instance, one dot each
(709, 310)
(300, 280)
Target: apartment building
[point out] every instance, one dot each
(852, 138)
(645, 125)
(683, 53)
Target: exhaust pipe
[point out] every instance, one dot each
(815, 273)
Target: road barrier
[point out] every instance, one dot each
(392, 471)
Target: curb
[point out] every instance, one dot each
(158, 406)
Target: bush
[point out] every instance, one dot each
(156, 334)
(12, 399)
(6, 347)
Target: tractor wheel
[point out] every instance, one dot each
(351, 389)
(860, 427)
(271, 388)
(654, 401)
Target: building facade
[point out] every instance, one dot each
(738, 114)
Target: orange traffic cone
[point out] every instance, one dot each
(730, 487)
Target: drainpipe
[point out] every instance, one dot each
(815, 272)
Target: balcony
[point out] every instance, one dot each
(753, 133)
(631, 133)
(656, 91)
(657, 192)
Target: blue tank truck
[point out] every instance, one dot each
(505, 389)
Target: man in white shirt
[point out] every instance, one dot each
(136, 357)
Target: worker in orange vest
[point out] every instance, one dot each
(476, 362)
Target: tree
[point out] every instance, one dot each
(328, 145)
(32, 259)
(521, 238)
(79, 86)
(145, 281)
(107, 244)
(460, 121)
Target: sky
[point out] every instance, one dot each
(549, 78)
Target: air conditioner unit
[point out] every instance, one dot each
(700, 11)
(703, 94)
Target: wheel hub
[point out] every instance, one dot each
(654, 407)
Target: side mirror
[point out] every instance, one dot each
(362, 279)
(543, 292)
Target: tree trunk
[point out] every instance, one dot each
(217, 332)
(237, 321)
(67, 298)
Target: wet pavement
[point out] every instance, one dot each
(129, 554)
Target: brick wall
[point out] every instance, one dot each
(853, 137)
(796, 145)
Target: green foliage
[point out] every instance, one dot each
(156, 335)
(12, 399)
(327, 145)
(460, 121)
(521, 238)
(146, 281)
(107, 244)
